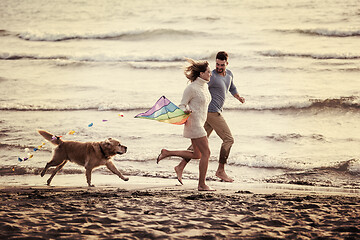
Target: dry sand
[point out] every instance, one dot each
(163, 212)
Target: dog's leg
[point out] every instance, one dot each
(110, 165)
(48, 165)
(56, 160)
(45, 169)
(88, 175)
(58, 168)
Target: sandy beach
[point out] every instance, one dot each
(165, 210)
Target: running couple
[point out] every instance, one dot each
(204, 98)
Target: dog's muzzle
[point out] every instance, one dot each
(125, 150)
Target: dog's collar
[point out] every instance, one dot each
(102, 151)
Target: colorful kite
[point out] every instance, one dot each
(165, 111)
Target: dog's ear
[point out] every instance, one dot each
(106, 143)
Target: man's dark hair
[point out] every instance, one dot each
(222, 55)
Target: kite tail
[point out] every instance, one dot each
(50, 137)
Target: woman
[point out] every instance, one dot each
(195, 100)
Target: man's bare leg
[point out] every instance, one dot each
(220, 173)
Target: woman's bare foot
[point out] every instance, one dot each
(223, 176)
(162, 155)
(179, 172)
(205, 188)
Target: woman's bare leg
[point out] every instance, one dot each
(181, 153)
(185, 153)
(201, 150)
(203, 146)
(179, 169)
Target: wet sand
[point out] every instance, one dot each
(139, 211)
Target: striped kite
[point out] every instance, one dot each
(165, 111)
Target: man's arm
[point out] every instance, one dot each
(237, 96)
(234, 91)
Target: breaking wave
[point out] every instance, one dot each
(276, 53)
(122, 35)
(343, 102)
(324, 32)
(348, 166)
(4, 33)
(351, 103)
(294, 137)
(25, 170)
(170, 58)
(62, 107)
(102, 58)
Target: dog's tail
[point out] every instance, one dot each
(50, 137)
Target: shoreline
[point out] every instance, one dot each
(151, 183)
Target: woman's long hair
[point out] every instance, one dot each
(192, 71)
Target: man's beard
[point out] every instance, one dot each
(219, 70)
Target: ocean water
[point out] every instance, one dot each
(66, 64)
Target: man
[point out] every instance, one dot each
(221, 82)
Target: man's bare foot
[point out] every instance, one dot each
(205, 188)
(223, 176)
(162, 155)
(179, 172)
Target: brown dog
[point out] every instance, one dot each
(87, 154)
